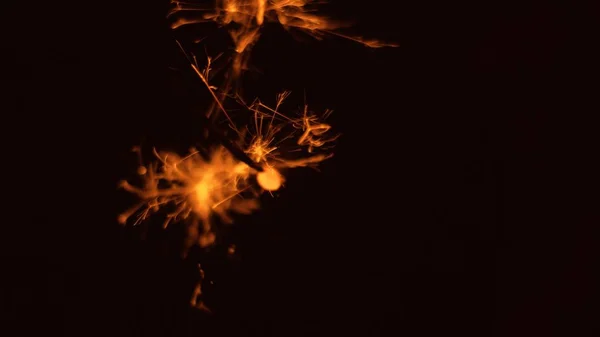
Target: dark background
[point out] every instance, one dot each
(456, 202)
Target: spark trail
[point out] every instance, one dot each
(204, 187)
(244, 20)
(207, 187)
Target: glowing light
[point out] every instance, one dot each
(196, 299)
(244, 20)
(270, 179)
(209, 187)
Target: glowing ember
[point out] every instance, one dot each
(270, 179)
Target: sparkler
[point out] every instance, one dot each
(206, 187)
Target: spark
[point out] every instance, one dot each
(206, 188)
(196, 300)
(245, 19)
(210, 190)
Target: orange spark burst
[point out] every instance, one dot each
(213, 188)
(210, 189)
(244, 19)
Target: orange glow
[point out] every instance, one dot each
(244, 19)
(211, 187)
(270, 179)
(196, 300)
(216, 187)
(248, 16)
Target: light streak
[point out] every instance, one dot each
(206, 188)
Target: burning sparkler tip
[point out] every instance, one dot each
(270, 180)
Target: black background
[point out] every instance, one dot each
(455, 204)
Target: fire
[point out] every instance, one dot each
(270, 179)
(209, 187)
(212, 187)
(244, 20)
